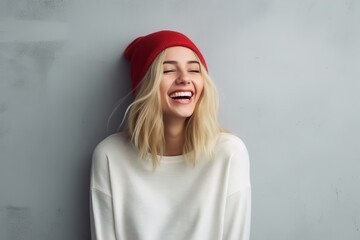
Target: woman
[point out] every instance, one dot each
(173, 174)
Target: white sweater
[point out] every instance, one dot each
(177, 201)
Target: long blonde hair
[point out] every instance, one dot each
(145, 121)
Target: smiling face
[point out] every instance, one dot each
(181, 84)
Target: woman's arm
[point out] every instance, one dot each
(101, 216)
(101, 208)
(237, 217)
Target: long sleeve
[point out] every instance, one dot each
(101, 205)
(101, 216)
(238, 215)
(237, 219)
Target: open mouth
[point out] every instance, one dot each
(185, 95)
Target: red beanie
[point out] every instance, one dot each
(143, 50)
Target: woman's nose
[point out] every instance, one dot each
(183, 78)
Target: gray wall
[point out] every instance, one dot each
(287, 72)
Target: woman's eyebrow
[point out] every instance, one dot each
(170, 62)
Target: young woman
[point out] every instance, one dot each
(173, 174)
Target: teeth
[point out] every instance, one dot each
(181, 94)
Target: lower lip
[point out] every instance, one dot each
(182, 101)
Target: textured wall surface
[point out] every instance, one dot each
(287, 72)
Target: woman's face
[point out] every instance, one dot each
(181, 84)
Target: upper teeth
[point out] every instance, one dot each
(181, 94)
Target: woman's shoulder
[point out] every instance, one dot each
(234, 152)
(230, 142)
(114, 141)
(112, 149)
(231, 148)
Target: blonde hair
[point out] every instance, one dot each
(145, 121)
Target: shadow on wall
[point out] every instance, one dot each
(114, 96)
(120, 75)
(53, 113)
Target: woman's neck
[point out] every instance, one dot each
(174, 137)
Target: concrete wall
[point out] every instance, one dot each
(287, 72)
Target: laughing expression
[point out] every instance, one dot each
(181, 84)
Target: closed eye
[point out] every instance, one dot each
(168, 71)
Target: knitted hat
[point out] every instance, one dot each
(143, 50)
